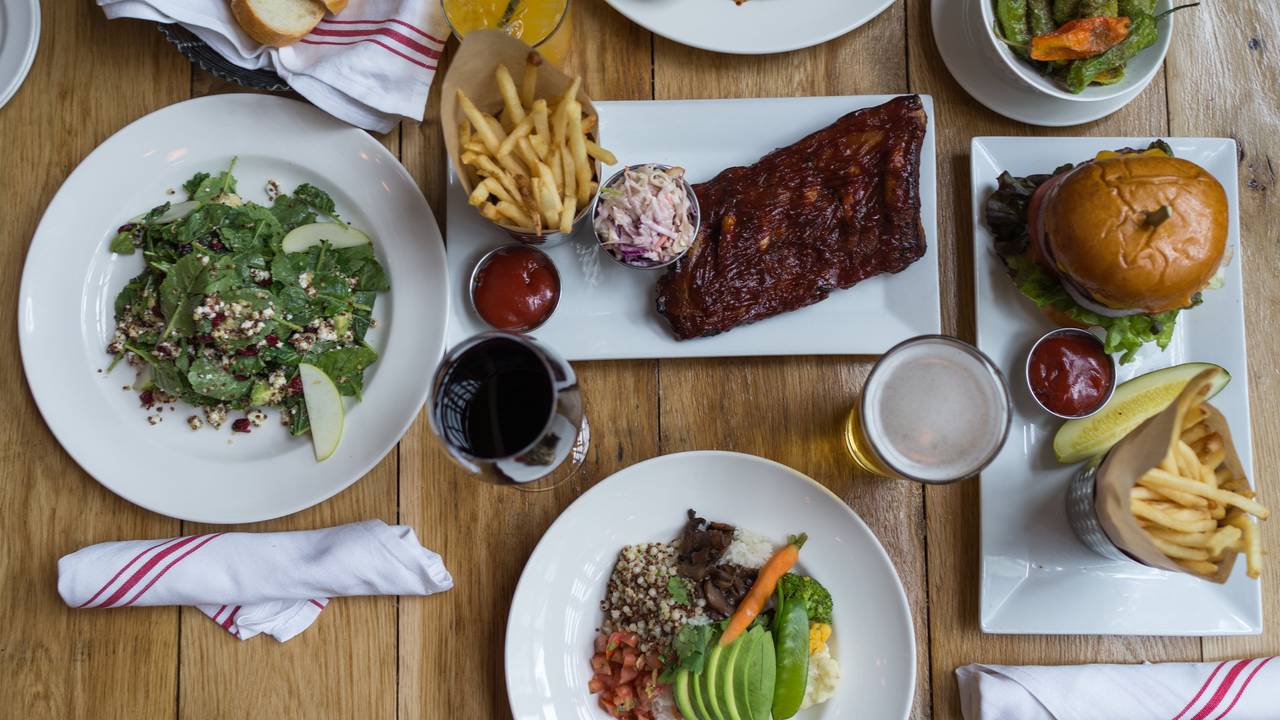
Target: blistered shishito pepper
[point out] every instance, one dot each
(1142, 35)
(1040, 15)
(1012, 16)
(1065, 10)
(1079, 39)
(1129, 8)
(1110, 77)
(1099, 8)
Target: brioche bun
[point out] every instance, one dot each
(1102, 230)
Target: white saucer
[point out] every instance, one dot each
(981, 73)
(19, 36)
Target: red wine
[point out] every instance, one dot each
(495, 400)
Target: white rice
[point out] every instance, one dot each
(664, 705)
(749, 549)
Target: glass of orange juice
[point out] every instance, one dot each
(537, 22)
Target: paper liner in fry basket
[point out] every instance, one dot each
(471, 70)
(1144, 449)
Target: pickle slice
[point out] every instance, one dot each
(1133, 402)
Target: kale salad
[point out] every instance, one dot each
(237, 298)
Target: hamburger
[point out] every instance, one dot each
(1123, 242)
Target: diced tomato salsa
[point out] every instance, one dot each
(625, 679)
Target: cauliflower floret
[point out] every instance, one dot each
(824, 677)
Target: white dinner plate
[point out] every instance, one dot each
(1036, 576)
(966, 50)
(19, 37)
(555, 611)
(606, 310)
(71, 280)
(755, 27)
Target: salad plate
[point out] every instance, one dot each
(752, 27)
(556, 611)
(607, 311)
(19, 37)
(1036, 577)
(71, 280)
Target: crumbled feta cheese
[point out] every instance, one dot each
(194, 422)
(216, 415)
(257, 417)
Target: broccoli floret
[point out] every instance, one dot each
(817, 599)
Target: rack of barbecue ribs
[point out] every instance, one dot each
(835, 208)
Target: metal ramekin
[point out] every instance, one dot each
(1026, 374)
(693, 206)
(484, 260)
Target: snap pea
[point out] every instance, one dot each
(1065, 11)
(1041, 16)
(1012, 16)
(1099, 8)
(1142, 35)
(791, 643)
(1129, 8)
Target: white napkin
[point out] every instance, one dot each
(1246, 689)
(250, 583)
(370, 65)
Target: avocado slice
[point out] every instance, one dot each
(683, 697)
(728, 694)
(760, 684)
(699, 697)
(743, 674)
(710, 683)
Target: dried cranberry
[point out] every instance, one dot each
(264, 282)
(204, 339)
(216, 244)
(184, 249)
(216, 320)
(240, 377)
(249, 351)
(241, 425)
(125, 227)
(272, 340)
(147, 398)
(295, 385)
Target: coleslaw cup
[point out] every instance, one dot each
(694, 209)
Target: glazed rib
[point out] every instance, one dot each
(835, 208)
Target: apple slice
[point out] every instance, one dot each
(176, 211)
(324, 407)
(301, 239)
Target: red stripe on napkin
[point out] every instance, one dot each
(379, 43)
(214, 617)
(317, 603)
(169, 567)
(1227, 681)
(1240, 693)
(146, 568)
(401, 38)
(120, 572)
(1200, 692)
(420, 31)
(231, 619)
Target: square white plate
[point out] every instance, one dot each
(1036, 576)
(606, 311)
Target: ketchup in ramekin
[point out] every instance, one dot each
(515, 288)
(1070, 373)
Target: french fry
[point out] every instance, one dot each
(479, 122)
(1178, 552)
(515, 214)
(522, 129)
(1199, 567)
(1157, 478)
(589, 124)
(552, 187)
(1194, 433)
(479, 194)
(600, 153)
(557, 170)
(464, 133)
(1198, 539)
(1137, 492)
(567, 210)
(529, 81)
(1149, 511)
(1186, 460)
(531, 205)
(475, 147)
(524, 150)
(578, 146)
(1214, 458)
(1194, 416)
(510, 96)
(1252, 544)
(540, 146)
(569, 175)
(1224, 538)
(490, 211)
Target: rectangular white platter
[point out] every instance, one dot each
(1036, 576)
(606, 311)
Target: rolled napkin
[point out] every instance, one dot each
(250, 583)
(370, 66)
(1246, 689)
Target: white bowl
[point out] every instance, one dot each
(1141, 69)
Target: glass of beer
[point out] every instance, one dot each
(509, 410)
(538, 23)
(934, 409)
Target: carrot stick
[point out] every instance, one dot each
(762, 588)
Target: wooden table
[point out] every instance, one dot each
(441, 657)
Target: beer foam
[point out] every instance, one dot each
(935, 411)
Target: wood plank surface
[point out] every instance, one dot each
(437, 657)
(56, 662)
